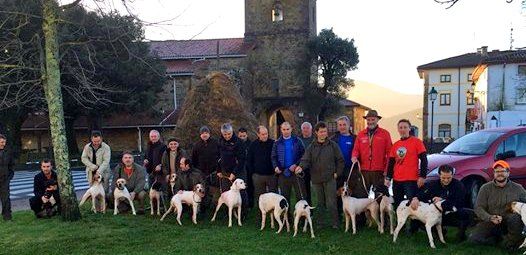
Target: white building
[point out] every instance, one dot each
(500, 90)
(470, 90)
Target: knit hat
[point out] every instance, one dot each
(501, 163)
(204, 129)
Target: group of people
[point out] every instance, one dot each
(293, 164)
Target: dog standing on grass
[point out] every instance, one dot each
(96, 192)
(121, 193)
(386, 207)
(232, 199)
(354, 206)
(278, 205)
(429, 214)
(155, 197)
(302, 209)
(192, 198)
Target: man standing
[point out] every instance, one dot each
(371, 149)
(242, 134)
(43, 191)
(231, 157)
(345, 141)
(306, 137)
(6, 174)
(259, 164)
(153, 156)
(286, 155)
(134, 174)
(453, 194)
(96, 157)
(498, 223)
(326, 163)
(205, 152)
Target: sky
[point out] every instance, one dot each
(393, 37)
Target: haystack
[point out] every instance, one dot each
(214, 100)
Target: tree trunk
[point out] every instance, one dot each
(70, 210)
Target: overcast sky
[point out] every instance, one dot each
(393, 36)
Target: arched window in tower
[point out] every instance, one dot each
(277, 12)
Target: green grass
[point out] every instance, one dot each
(144, 234)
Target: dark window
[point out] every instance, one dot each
(513, 145)
(520, 96)
(444, 130)
(470, 98)
(470, 77)
(275, 85)
(445, 78)
(522, 70)
(332, 126)
(445, 99)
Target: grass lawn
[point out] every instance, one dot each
(144, 234)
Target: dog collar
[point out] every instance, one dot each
(436, 206)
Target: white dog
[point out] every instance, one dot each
(278, 204)
(192, 198)
(232, 199)
(520, 208)
(429, 214)
(302, 209)
(121, 193)
(155, 196)
(354, 206)
(96, 192)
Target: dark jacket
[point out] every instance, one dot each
(454, 194)
(165, 161)
(492, 199)
(323, 160)
(135, 182)
(278, 152)
(7, 164)
(205, 155)
(186, 180)
(153, 154)
(231, 156)
(306, 141)
(258, 157)
(39, 185)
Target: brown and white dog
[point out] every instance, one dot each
(232, 199)
(192, 198)
(96, 192)
(354, 206)
(155, 197)
(302, 209)
(278, 205)
(520, 209)
(121, 193)
(386, 207)
(429, 214)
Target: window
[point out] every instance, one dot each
(513, 146)
(332, 126)
(444, 130)
(470, 98)
(470, 77)
(520, 96)
(522, 70)
(277, 12)
(445, 78)
(274, 83)
(445, 99)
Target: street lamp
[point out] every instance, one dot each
(433, 94)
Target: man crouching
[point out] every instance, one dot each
(135, 177)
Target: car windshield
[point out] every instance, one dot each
(476, 143)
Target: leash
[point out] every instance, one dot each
(298, 176)
(221, 183)
(346, 184)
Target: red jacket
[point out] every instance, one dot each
(373, 155)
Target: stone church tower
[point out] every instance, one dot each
(279, 32)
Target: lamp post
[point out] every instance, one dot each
(432, 96)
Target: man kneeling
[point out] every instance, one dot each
(453, 193)
(46, 202)
(135, 176)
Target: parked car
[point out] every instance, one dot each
(473, 155)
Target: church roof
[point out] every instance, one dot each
(195, 49)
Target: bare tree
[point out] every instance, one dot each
(451, 3)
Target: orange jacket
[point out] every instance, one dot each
(373, 154)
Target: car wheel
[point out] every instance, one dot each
(473, 187)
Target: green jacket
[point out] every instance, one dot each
(135, 182)
(492, 199)
(323, 160)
